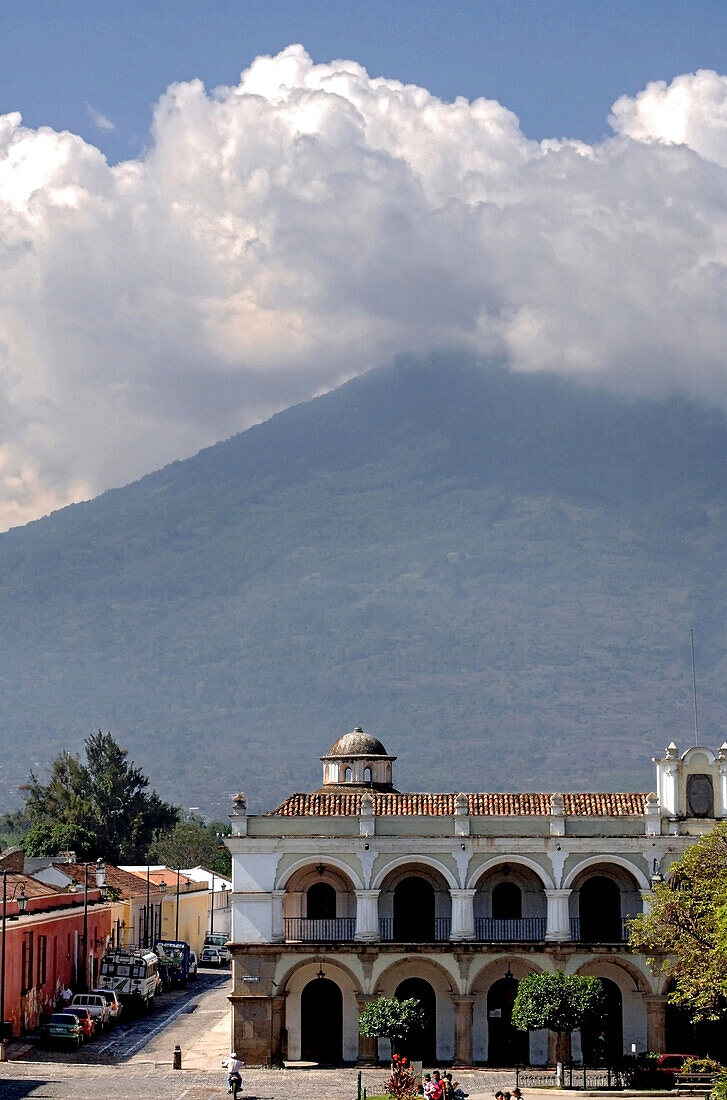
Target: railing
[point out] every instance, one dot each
(621, 932)
(435, 932)
(574, 1077)
(517, 929)
(328, 929)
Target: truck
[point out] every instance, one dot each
(173, 961)
(217, 941)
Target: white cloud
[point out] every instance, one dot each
(98, 119)
(286, 233)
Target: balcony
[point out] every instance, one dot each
(327, 930)
(435, 931)
(513, 930)
(615, 931)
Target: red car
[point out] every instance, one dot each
(85, 1019)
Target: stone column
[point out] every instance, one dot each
(558, 922)
(655, 1021)
(722, 805)
(277, 927)
(645, 904)
(463, 915)
(278, 1032)
(367, 915)
(368, 1049)
(463, 1009)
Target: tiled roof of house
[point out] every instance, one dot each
(348, 803)
(128, 885)
(31, 887)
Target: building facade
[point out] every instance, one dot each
(358, 890)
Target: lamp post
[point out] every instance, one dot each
(212, 905)
(146, 911)
(176, 919)
(100, 880)
(162, 888)
(22, 903)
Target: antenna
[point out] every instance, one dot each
(694, 688)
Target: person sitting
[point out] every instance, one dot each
(457, 1091)
(233, 1066)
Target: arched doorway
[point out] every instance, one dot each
(507, 901)
(320, 901)
(683, 1036)
(602, 1038)
(321, 1022)
(413, 911)
(421, 1047)
(506, 1045)
(599, 908)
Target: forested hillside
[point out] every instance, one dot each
(495, 574)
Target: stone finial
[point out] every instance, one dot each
(367, 804)
(557, 805)
(366, 823)
(238, 817)
(461, 805)
(722, 753)
(652, 800)
(672, 752)
(652, 814)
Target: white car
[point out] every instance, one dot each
(97, 1006)
(211, 956)
(115, 1006)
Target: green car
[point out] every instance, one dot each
(62, 1028)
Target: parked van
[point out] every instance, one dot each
(96, 1005)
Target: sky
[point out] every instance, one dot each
(211, 211)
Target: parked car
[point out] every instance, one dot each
(218, 940)
(192, 968)
(62, 1027)
(210, 957)
(672, 1063)
(112, 1000)
(84, 1018)
(97, 1006)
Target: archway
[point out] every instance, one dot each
(602, 1038)
(599, 909)
(683, 1036)
(507, 1046)
(507, 901)
(423, 1046)
(321, 1022)
(320, 901)
(413, 911)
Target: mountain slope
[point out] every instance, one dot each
(495, 574)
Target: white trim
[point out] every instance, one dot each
(524, 861)
(312, 862)
(422, 860)
(605, 859)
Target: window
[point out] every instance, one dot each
(347, 776)
(507, 901)
(41, 966)
(27, 962)
(700, 796)
(320, 901)
(367, 775)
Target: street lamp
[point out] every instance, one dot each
(100, 880)
(22, 904)
(162, 888)
(176, 920)
(212, 905)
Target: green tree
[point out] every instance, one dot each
(685, 932)
(100, 807)
(389, 1018)
(559, 1001)
(191, 843)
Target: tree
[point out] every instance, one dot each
(389, 1018)
(98, 808)
(559, 1001)
(684, 933)
(191, 843)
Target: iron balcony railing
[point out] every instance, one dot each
(514, 929)
(432, 932)
(618, 932)
(326, 930)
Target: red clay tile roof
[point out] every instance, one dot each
(337, 803)
(31, 887)
(127, 884)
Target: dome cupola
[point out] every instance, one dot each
(358, 759)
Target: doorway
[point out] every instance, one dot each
(414, 911)
(423, 1046)
(506, 1045)
(602, 1038)
(321, 1023)
(599, 907)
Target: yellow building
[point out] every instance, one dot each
(183, 904)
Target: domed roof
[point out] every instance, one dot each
(357, 743)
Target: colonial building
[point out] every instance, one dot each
(358, 890)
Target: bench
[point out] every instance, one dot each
(693, 1082)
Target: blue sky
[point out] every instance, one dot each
(558, 65)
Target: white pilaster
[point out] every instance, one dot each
(558, 922)
(722, 809)
(463, 915)
(277, 933)
(367, 915)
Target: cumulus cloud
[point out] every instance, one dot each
(286, 233)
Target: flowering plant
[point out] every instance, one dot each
(401, 1084)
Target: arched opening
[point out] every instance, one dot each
(599, 910)
(507, 901)
(347, 775)
(602, 1038)
(506, 1045)
(422, 1046)
(683, 1036)
(413, 911)
(321, 1022)
(320, 900)
(367, 775)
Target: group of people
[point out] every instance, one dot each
(514, 1095)
(440, 1086)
